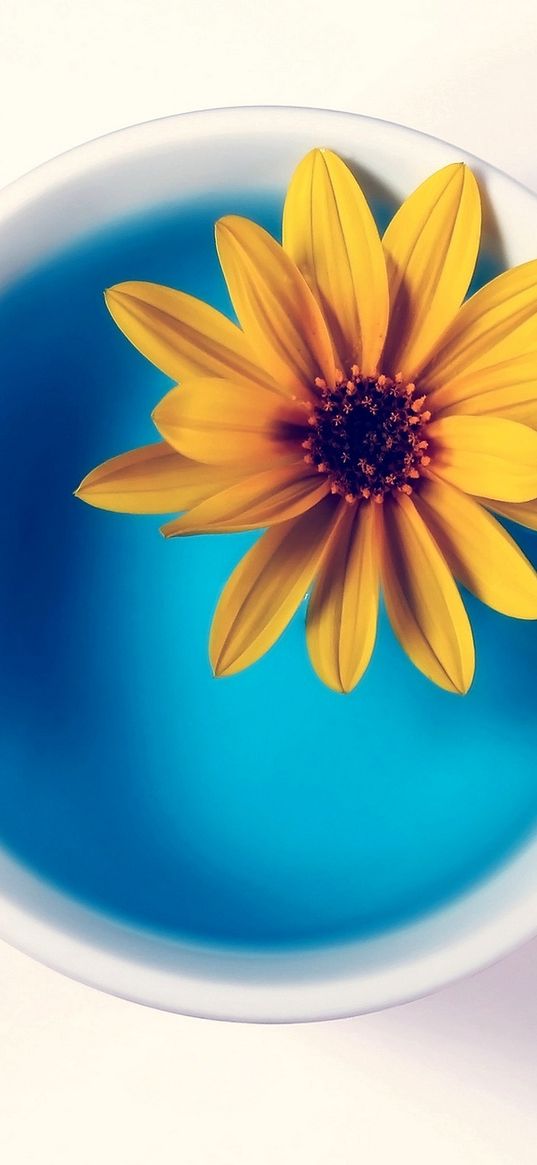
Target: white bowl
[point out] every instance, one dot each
(89, 188)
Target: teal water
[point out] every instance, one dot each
(258, 810)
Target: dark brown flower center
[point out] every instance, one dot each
(368, 435)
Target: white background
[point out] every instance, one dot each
(89, 1080)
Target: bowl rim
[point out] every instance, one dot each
(36, 171)
(244, 986)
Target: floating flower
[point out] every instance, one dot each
(359, 412)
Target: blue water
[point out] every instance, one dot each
(258, 810)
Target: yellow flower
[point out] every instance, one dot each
(363, 415)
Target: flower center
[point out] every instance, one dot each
(368, 435)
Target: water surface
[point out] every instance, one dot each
(260, 810)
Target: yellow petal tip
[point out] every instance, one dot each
(229, 223)
(223, 224)
(113, 299)
(463, 688)
(117, 293)
(82, 489)
(226, 664)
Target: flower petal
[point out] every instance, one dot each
(342, 612)
(216, 421)
(331, 235)
(261, 499)
(489, 456)
(267, 586)
(525, 513)
(423, 603)
(275, 307)
(182, 335)
(478, 550)
(508, 389)
(498, 323)
(151, 480)
(431, 249)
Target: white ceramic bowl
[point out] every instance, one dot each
(89, 188)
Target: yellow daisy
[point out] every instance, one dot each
(359, 412)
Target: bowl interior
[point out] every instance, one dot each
(262, 831)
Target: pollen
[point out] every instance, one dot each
(368, 435)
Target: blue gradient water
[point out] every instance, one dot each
(258, 810)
